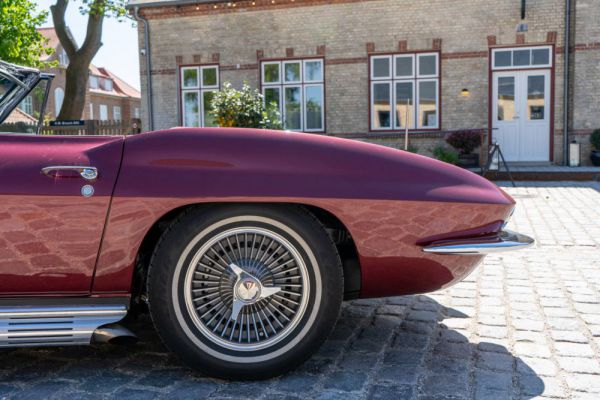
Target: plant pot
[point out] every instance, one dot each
(468, 160)
(595, 157)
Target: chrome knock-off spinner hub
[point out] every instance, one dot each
(247, 290)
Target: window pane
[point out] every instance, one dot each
(381, 106)
(190, 77)
(292, 72)
(272, 96)
(404, 66)
(427, 104)
(271, 72)
(541, 56)
(404, 105)
(502, 58)
(381, 67)
(209, 77)
(293, 108)
(536, 97)
(427, 65)
(314, 107)
(191, 109)
(506, 98)
(521, 57)
(313, 71)
(209, 119)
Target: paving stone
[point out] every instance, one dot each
(579, 364)
(189, 389)
(392, 392)
(446, 384)
(346, 381)
(495, 361)
(574, 349)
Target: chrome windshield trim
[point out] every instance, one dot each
(504, 241)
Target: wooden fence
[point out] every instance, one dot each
(89, 128)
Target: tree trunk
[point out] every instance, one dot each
(75, 90)
(79, 58)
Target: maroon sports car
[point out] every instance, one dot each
(242, 243)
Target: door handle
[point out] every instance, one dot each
(87, 173)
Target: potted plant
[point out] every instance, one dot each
(465, 142)
(595, 141)
(446, 155)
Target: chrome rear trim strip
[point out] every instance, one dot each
(55, 325)
(503, 241)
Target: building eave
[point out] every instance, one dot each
(166, 3)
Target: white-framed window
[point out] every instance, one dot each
(136, 112)
(27, 105)
(198, 85)
(297, 88)
(117, 113)
(93, 82)
(405, 91)
(103, 112)
(91, 110)
(59, 96)
(108, 85)
(63, 59)
(522, 57)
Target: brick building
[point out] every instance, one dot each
(366, 69)
(108, 97)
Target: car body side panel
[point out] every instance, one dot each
(49, 233)
(388, 200)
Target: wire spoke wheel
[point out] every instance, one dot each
(247, 288)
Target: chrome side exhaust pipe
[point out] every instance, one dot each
(114, 334)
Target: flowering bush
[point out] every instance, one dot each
(464, 141)
(244, 109)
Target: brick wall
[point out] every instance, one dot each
(348, 30)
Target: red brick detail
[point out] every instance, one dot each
(491, 40)
(370, 47)
(437, 44)
(465, 54)
(178, 60)
(216, 57)
(197, 58)
(587, 46)
(321, 49)
(289, 52)
(520, 38)
(165, 71)
(260, 54)
(402, 45)
(235, 67)
(338, 61)
(551, 37)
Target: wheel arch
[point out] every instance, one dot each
(335, 228)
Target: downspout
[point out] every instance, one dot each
(148, 66)
(566, 85)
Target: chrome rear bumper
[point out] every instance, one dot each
(502, 241)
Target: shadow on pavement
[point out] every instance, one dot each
(395, 348)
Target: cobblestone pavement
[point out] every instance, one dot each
(524, 325)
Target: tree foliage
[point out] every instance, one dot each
(20, 42)
(80, 58)
(244, 109)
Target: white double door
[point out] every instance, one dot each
(521, 114)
